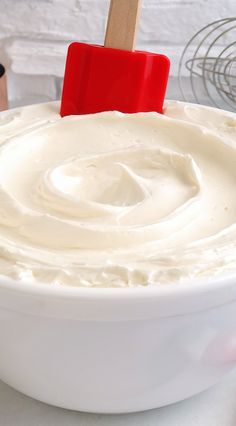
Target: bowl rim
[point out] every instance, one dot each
(150, 291)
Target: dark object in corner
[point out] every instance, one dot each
(2, 70)
(3, 89)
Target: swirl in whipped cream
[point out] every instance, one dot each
(113, 200)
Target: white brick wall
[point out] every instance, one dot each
(34, 35)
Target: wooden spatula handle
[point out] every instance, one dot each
(122, 24)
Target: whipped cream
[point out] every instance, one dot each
(115, 200)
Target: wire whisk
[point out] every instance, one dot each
(207, 68)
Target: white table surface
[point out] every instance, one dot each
(215, 407)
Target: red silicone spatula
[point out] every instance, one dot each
(114, 77)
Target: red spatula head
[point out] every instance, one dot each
(104, 79)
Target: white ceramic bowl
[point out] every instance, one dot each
(116, 350)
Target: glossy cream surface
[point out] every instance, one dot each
(115, 200)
